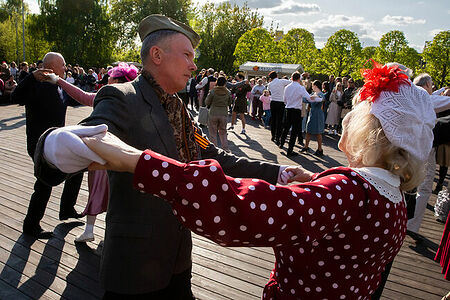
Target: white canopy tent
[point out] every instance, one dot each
(252, 68)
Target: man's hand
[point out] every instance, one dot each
(299, 174)
(118, 155)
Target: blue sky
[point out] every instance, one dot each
(419, 20)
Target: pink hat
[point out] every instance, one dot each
(124, 70)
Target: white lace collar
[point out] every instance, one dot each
(386, 183)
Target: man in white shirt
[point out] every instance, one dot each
(293, 95)
(440, 103)
(206, 84)
(276, 87)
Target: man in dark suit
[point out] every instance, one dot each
(45, 107)
(147, 252)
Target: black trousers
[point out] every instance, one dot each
(257, 107)
(179, 288)
(276, 121)
(193, 100)
(294, 120)
(41, 195)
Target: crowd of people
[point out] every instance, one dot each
(334, 234)
(297, 105)
(11, 75)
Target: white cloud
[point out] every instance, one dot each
(324, 28)
(401, 20)
(419, 48)
(421, 2)
(293, 8)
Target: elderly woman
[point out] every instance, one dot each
(334, 233)
(97, 180)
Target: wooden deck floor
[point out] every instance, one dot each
(59, 268)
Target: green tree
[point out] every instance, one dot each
(220, 26)
(368, 53)
(35, 40)
(81, 30)
(298, 47)
(394, 47)
(11, 15)
(342, 54)
(7, 41)
(391, 46)
(254, 45)
(437, 58)
(127, 14)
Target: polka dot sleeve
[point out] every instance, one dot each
(248, 212)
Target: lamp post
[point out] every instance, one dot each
(23, 29)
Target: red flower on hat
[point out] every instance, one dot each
(381, 78)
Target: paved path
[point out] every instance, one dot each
(58, 268)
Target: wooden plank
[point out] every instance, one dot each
(218, 273)
(8, 291)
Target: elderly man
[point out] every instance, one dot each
(440, 103)
(147, 252)
(276, 87)
(293, 99)
(45, 106)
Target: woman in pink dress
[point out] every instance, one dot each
(98, 183)
(333, 234)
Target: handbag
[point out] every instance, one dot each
(203, 115)
(442, 206)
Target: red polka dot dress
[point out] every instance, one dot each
(332, 237)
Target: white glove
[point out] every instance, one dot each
(52, 78)
(64, 148)
(284, 176)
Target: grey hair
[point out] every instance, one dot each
(154, 39)
(49, 57)
(422, 79)
(211, 71)
(405, 70)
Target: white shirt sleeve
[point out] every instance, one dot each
(440, 103)
(202, 83)
(438, 92)
(306, 95)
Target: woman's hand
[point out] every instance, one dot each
(118, 155)
(299, 174)
(46, 75)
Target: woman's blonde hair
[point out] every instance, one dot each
(367, 145)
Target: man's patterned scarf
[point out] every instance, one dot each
(182, 125)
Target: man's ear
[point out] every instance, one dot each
(156, 55)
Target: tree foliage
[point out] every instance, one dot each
(368, 53)
(7, 41)
(437, 58)
(254, 45)
(394, 47)
(220, 26)
(298, 47)
(342, 54)
(127, 14)
(391, 45)
(81, 30)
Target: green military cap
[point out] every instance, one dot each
(156, 22)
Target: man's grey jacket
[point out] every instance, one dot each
(145, 244)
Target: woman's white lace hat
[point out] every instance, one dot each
(405, 111)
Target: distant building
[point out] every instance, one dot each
(252, 69)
